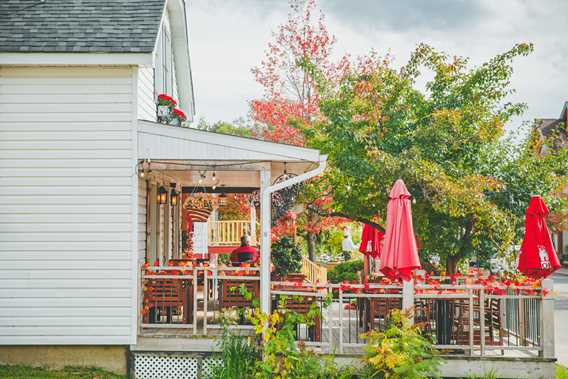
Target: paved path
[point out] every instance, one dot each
(561, 315)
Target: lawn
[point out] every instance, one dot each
(24, 372)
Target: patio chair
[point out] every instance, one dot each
(379, 309)
(302, 305)
(493, 323)
(168, 298)
(231, 294)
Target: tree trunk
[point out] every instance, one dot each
(452, 264)
(311, 239)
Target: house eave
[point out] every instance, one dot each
(157, 141)
(133, 59)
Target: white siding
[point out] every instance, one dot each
(66, 207)
(146, 94)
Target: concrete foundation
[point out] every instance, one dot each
(110, 358)
(500, 367)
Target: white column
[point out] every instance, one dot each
(265, 216)
(547, 320)
(252, 216)
(408, 297)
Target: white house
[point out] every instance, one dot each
(78, 88)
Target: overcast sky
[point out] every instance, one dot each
(228, 38)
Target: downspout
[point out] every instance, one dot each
(266, 226)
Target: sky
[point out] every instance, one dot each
(229, 37)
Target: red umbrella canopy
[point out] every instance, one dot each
(537, 257)
(371, 238)
(400, 255)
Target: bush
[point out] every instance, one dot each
(400, 351)
(238, 357)
(286, 256)
(345, 271)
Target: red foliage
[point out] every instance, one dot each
(180, 114)
(286, 226)
(164, 99)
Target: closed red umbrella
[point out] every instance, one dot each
(537, 258)
(371, 241)
(400, 254)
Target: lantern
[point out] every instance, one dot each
(162, 195)
(174, 196)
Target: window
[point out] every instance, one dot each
(164, 70)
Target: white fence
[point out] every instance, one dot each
(461, 319)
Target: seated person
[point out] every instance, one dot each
(244, 253)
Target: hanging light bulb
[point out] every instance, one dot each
(162, 195)
(174, 195)
(214, 176)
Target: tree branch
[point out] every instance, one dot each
(354, 218)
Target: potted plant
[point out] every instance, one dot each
(287, 259)
(178, 117)
(166, 105)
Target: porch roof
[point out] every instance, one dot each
(162, 142)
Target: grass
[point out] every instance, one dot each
(26, 372)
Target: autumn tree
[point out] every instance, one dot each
(469, 185)
(291, 93)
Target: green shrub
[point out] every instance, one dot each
(238, 358)
(400, 351)
(345, 271)
(286, 256)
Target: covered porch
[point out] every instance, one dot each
(187, 180)
(186, 295)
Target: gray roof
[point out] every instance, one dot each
(547, 126)
(91, 26)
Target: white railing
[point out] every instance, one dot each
(461, 318)
(228, 232)
(314, 273)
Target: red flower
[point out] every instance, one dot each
(180, 114)
(164, 99)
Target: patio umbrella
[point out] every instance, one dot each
(537, 258)
(371, 241)
(400, 255)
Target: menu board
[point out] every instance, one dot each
(200, 239)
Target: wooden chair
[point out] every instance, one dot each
(302, 305)
(493, 323)
(169, 297)
(231, 294)
(379, 308)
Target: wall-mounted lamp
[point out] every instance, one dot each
(174, 195)
(162, 195)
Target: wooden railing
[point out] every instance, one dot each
(228, 233)
(314, 272)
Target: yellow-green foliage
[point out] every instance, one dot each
(400, 351)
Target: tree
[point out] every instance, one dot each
(291, 94)
(237, 128)
(469, 185)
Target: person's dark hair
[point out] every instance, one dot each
(245, 240)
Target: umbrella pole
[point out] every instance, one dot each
(365, 268)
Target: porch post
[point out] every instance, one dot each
(252, 217)
(547, 320)
(265, 217)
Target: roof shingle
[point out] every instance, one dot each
(100, 26)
